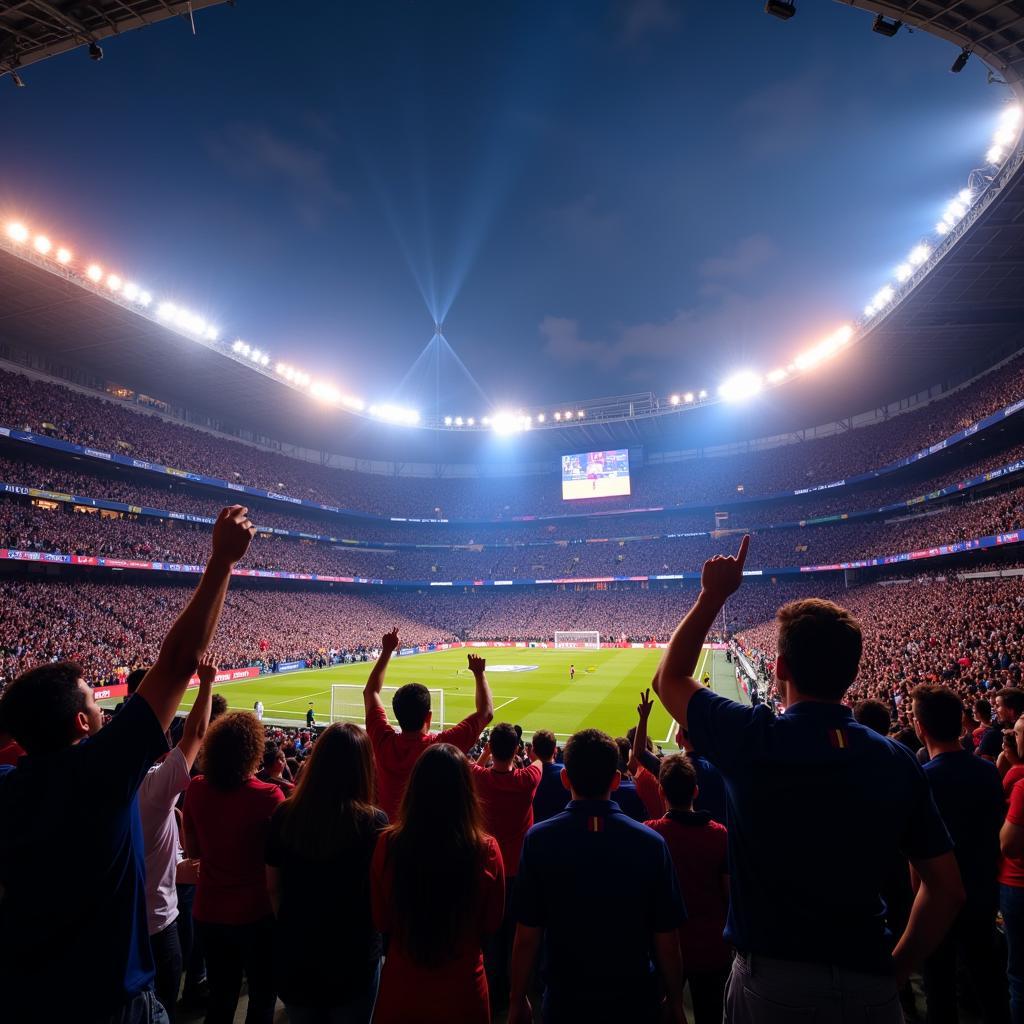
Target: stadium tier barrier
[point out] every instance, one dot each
(96, 454)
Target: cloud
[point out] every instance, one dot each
(643, 18)
(299, 170)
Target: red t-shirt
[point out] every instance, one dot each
(698, 847)
(1011, 869)
(396, 752)
(10, 752)
(507, 802)
(650, 792)
(229, 828)
(1013, 776)
(455, 990)
(977, 734)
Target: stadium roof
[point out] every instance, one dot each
(32, 30)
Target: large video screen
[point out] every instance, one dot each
(595, 474)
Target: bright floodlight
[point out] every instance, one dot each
(942, 228)
(94, 273)
(1011, 116)
(145, 298)
(447, 421)
(965, 195)
(869, 310)
(674, 399)
(486, 421)
(883, 296)
(458, 421)
(994, 155)
(688, 397)
(568, 414)
(1004, 137)
(212, 334)
(740, 386)
(113, 282)
(540, 417)
(42, 244)
(130, 291)
(581, 414)
(776, 376)
(63, 255)
(558, 416)
(471, 422)
(919, 254)
(903, 271)
(703, 393)
(17, 232)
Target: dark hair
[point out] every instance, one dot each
(134, 678)
(591, 761)
(233, 749)
(332, 805)
(270, 751)
(678, 779)
(218, 706)
(625, 749)
(411, 705)
(908, 738)
(631, 735)
(939, 711)
(544, 744)
(436, 847)
(983, 710)
(504, 741)
(821, 644)
(1013, 698)
(39, 707)
(874, 714)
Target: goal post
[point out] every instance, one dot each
(347, 705)
(578, 639)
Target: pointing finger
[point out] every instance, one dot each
(741, 555)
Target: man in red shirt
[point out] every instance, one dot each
(506, 798)
(699, 849)
(396, 752)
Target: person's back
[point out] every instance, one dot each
(551, 796)
(600, 936)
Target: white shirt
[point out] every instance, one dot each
(159, 792)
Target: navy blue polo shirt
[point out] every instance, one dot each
(818, 808)
(969, 795)
(991, 744)
(628, 799)
(73, 931)
(551, 796)
(600, 885)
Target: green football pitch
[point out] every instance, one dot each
(531, 687)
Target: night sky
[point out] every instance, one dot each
(596, 197)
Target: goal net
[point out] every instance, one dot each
(583, 639)
(347, 705)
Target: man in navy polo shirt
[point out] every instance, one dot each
(600, 891)
(969, 796)
(818, 806)
(551, 797)
(74, 942)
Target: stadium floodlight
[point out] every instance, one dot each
(581, 414)
(568, 414)
(740, 386)
(1011, 116)
(883, 296)
(994, 155)
(965, 195)
(558, 417)
(145, 298)
(919, 254)
(447, 421)
(486, 421)
(903, 271)
(212, 334)
(540, 417)
(471, 422)
(884, 27)
(504, 423)
(42, 244)
(322, 391)
(777, 376)
(239, 345)
(688, 397)
(674, 400)
(961, 61)
(94, 273)
(942, 228)
(781, 9)
(130, 291)
(1004, 137)
(458, 421)
(356, 404)
(113, 282)
(63, 255)
(702, 394)
(256, 355)
(17, 232)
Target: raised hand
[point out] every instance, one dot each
(232, 533)
(389, 642)
(207, 670)
(723, 574)
(646, 706)
(476, 664)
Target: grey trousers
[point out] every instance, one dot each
(762, 990)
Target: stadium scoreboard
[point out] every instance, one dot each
(595, 474)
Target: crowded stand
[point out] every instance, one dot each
(27, 403)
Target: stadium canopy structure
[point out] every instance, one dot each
(959, 315)
(32, 30)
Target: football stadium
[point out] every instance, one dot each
(355, 666)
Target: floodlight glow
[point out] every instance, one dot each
(777, 376)
(42, 244)
(740, 386)
(212, 334)
(113, 282)
(581, 414)
(94, 273)
(486, 421)
(447, 421)
(965, 195)
(17, 232)
(942, 228)
(511, 423)
(63, 255)
(395, 414)
(994, 155)
(1011, 116)
(145, 298)
(883, 297)
(568, 414)
(354, 403)
(130, 291)
(471, 422)
(264, 360)
(674, 399)
(703, 393)
(256, 355)
(1004, 137)
(688, 397)
(903, 272)
(324, 392)
(919, 254)
(558, 416)
(458, 421)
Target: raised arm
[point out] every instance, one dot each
(673, 682)
(643, 711)
(371, 691)
(185, 644)
(198, 720)
(484, 700)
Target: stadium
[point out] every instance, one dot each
(397, 529)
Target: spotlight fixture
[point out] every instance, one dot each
(95, 51)
(884, 27)
(961, 61)
(782, 9)
(17, 80)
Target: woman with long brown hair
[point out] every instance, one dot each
(326, 949)
(438, 888)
